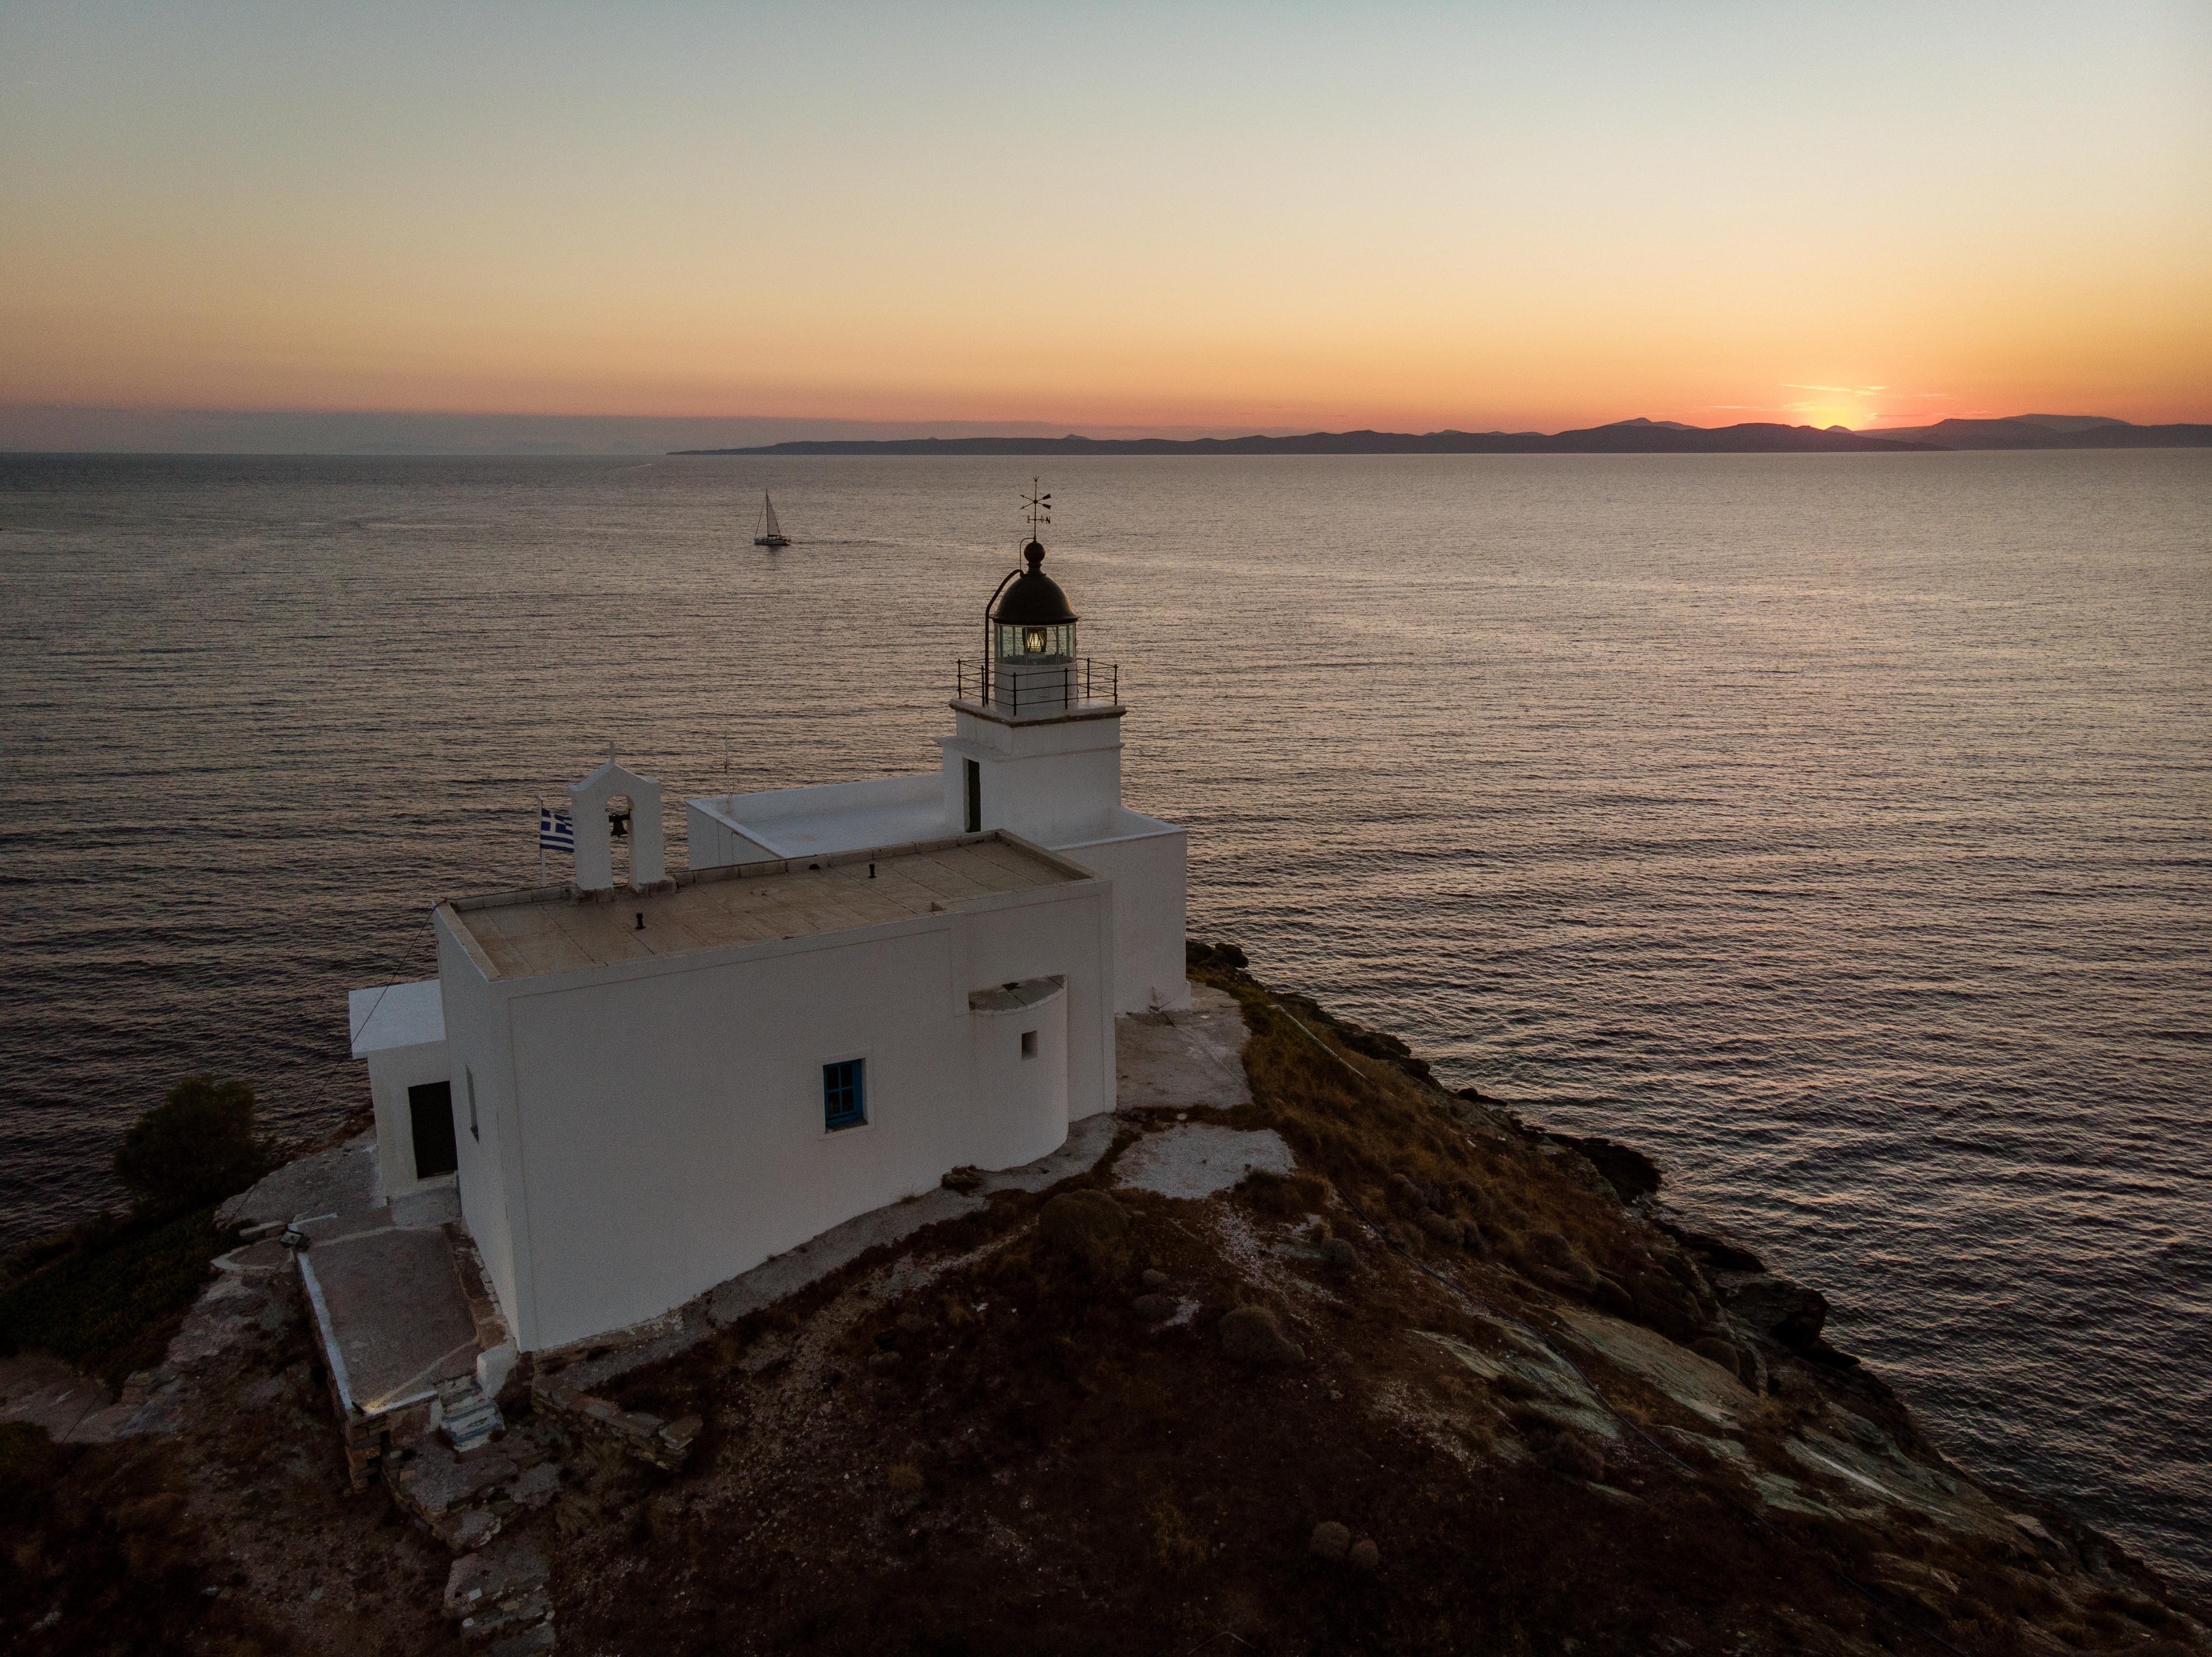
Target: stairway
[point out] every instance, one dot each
(470, 1419)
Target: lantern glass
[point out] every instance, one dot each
(1035, 642)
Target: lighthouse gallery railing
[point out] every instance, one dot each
(1062, 686)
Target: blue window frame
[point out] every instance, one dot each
(845, 1094)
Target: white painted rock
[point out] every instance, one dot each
(1197, 1159)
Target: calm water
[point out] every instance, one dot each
(1835, 826)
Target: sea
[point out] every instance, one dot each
(1837, 828)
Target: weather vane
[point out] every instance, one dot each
(1040, 508)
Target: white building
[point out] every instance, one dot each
(854, 989)
(400, 1029)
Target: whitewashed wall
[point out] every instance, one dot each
(713, 844)
(664, 1132)
(831, 817)
(1064, 932)
(1018, 1109)
(1148, 862)
(1050, 783)
(477, 1050)
(391, 1072)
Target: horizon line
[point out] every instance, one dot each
(396, 434)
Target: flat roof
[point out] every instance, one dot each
(835, 817)
(395, 1015)
(830, 819)
(547, 930)
(834, 831)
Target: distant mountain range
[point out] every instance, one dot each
(2049, 431)
(1638, 437)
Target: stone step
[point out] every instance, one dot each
(517, 1610)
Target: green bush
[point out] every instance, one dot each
(196, 1146)
(109, 1309)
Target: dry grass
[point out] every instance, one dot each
(1177, 1546)
(1372, 1130)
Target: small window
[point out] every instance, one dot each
(471, 1077)
(845, 1094)
(1029, 1043)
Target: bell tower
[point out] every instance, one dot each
(596, 826)
(1037, 745)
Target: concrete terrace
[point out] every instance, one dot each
(389, 1303)
(546, 930)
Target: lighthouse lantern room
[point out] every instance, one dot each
(1031, 663)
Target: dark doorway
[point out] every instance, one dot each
(430, 1112)
(974, 796)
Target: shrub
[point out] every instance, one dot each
(1283, 1196)
(195, 1148)
(112, 1310)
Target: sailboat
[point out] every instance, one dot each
(771, 532)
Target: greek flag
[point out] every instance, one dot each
(556, 830)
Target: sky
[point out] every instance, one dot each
(1181, 217)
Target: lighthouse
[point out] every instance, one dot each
(640, 1084)
(1035, 752)
(1036, 741)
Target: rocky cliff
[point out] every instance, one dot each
(1352, 1364)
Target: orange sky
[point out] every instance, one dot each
(1211, 216)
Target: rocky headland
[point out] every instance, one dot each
(1333, 1360)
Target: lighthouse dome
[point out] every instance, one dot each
(1033, 599)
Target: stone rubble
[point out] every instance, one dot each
(663, 1444)
(500, 1590)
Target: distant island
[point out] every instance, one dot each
(2050, 431)
(1638, 437)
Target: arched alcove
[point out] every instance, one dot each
(622, 840)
